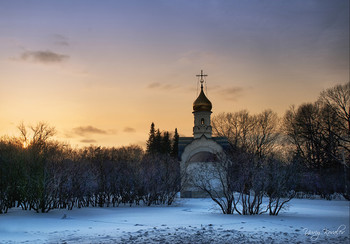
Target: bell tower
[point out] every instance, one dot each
(202, 111)
(200, 153)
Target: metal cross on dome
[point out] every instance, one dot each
(201, 75)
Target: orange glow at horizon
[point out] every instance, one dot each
(102, 73)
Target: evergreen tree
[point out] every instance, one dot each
(161, 143)
(175, 145)
(151, 140)
(157, 142)
(166, 144)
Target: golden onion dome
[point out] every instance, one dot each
(202, 103)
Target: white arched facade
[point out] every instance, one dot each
(195, 167)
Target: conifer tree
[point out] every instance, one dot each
(175, 145)
(157, 142)
(166, 144)
(151, 140)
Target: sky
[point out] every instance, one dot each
(101, 72)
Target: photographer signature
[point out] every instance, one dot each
(315, 234)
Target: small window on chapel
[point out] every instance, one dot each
(202, 121)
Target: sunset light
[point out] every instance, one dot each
(101, 72)
(174, 121)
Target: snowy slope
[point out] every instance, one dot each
(188, 221)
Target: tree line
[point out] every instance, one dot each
(40, 174)
(308, 151)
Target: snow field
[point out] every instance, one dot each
(188, 221)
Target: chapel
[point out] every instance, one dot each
(199, 152)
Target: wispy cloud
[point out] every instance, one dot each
(154, 85)
(43, 56)
(230, 93)
(166, 86)
(129, 130)
(88, 141)
(88, 130)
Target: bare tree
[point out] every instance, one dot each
(255, 134)
(23, 134)
(338, 98)
(319, 133)
(215, 179)
(254, 140)
(235, 126)
(281, 178)
(233, 181)
(41, 133)
(160, 178)
(265, 133)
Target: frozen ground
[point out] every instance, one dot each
(188, 221)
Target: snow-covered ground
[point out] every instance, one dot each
(188, 221)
